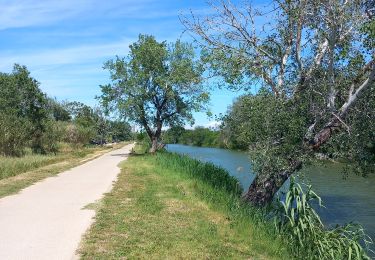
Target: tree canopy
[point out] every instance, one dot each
(156, 85)
(314, 65)
(23, 109)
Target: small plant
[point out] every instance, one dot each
(296, 219)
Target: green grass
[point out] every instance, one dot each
(12, 166)
(17, 173)
(167, 206)
(141, 148)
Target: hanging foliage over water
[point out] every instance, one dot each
(315, 66)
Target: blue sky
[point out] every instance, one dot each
(64, 43)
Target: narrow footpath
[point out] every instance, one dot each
(48, 219)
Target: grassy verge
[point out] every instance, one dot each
(141, 148)
(168, 206)
(18, 173)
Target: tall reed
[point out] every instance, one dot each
(296, 219)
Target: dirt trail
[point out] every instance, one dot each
(48, 219)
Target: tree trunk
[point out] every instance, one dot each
(263, 188)
(154, 144)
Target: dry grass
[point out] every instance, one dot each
(18, 173)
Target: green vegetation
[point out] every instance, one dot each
(29, 120)
(199, 136)
(306, 235)
(23, 118)
(157, 85)
(141, 148)
(194, 210)
(11, 166)
(170, 206)
(312, 69)
(19, 172)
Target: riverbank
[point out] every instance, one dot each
(169, 206)
(17, 173)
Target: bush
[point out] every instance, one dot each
(53, 134)
(13, 135)
(78, 135)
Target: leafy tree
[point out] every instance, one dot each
(157, 85)
(120, 131)
(13, 135)
(238, 123)
(173, 135)
(59, 111)
(22, 99)
(315, 63)
(200, 136)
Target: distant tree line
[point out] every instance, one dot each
(199, 136)
(29, 119)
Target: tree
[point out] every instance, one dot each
(156, 85)
(120, 131)
(58, 110)
(315, 63)
(237, 129)
(22, 99)
(173, 135)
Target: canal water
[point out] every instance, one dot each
(350, 199)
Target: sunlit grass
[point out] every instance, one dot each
(141, 148)
(166, 206)
(17, 173)
(10, 166)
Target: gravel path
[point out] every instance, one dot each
(48, 219)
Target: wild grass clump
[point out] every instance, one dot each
(222, 192)
(141, 147)
(216, 176)
(11, 166)
(296, 219)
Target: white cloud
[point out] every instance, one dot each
(25, 13)
(213, 124)
(21, 13)
(73, 73)
(46, 59)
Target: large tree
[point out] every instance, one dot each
(24, 106)
(314, 62)
(156, 85)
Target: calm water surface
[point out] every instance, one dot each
(346, 200)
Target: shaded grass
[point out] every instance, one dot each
(18, 173)
(169, 206)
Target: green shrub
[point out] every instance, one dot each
(13, 135)
(78, 135)
(53, 134)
